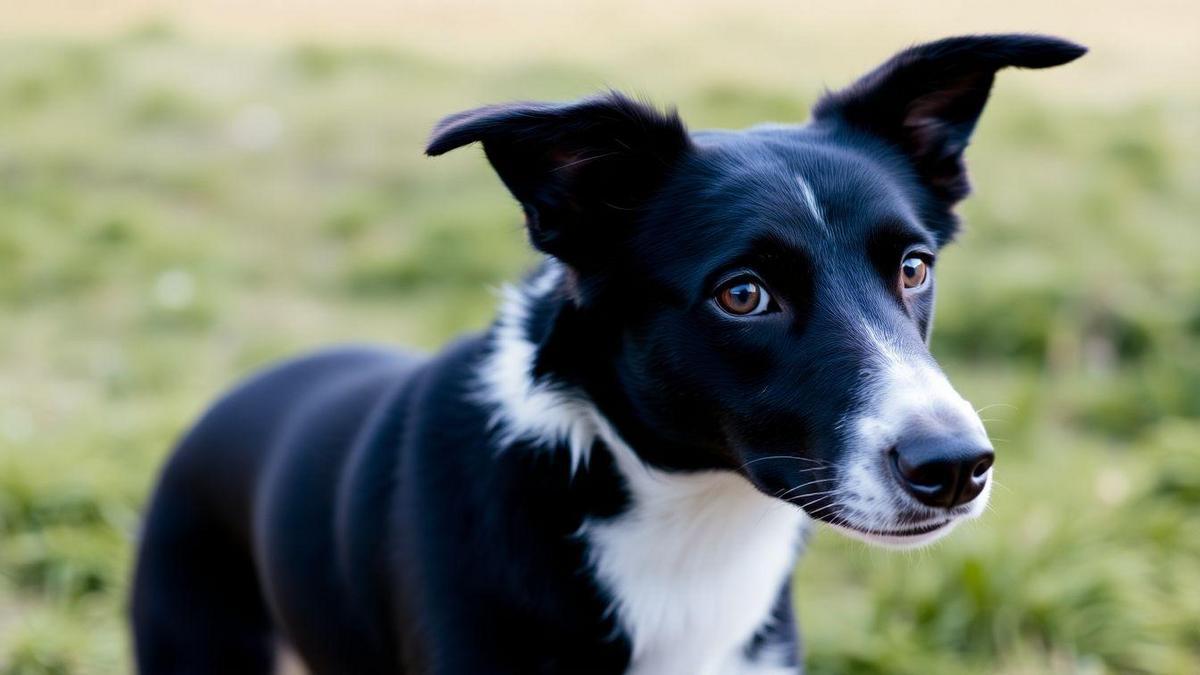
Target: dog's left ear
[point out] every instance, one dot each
(580, 170)
(927, 99)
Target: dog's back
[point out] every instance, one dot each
(352, 505)
(242, 530)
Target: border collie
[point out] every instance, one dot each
(726, 342)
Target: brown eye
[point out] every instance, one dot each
(913, 272)
(743, 297)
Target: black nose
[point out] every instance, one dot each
(942, 472)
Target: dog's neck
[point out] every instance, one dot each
(697, 560)
(540, 411)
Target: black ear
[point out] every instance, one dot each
(580, 170)
(927, 98)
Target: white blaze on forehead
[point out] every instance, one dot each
(810, 200)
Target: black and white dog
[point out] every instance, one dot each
(726, 342)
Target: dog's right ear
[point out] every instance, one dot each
(580, 170)
(926, 101)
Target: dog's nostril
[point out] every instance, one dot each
(922, 476)
(982, 466)
(925, 478)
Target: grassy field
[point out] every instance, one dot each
(183, 200)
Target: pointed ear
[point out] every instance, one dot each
(927, 99)
(580, 170)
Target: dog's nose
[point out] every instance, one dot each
(941, 472)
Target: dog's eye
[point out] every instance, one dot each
(743, 296)
(913, 273)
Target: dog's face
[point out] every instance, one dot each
(759, 301)
(786, 292)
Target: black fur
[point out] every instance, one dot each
(354, 504)
(926, 101)
(581, 170)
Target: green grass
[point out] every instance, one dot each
(175, 212)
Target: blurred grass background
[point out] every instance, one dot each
(190, 190)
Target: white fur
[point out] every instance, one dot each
(524, 409)
(698, 560)
(810, 200)
(899, 390)
(695, 565)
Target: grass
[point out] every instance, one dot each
(178, 210)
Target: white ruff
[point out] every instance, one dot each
(698, 560)
(695, 566)
(539, 412)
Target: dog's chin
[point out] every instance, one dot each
(908, 537)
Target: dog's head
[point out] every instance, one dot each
(760, 300)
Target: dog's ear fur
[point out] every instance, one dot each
(580, 170)
(926, 101)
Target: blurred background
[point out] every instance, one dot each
(190, 190)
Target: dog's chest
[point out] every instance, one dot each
(694, 568)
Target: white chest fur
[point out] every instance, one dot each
(695, 567)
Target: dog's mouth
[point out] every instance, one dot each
(900, 537)
(904, 532)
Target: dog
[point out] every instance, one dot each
(726, 342)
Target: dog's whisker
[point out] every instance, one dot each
(810, 503)
(830, 505)
(804, 485)
(820, 463)
(996, 405)
(826, 493)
